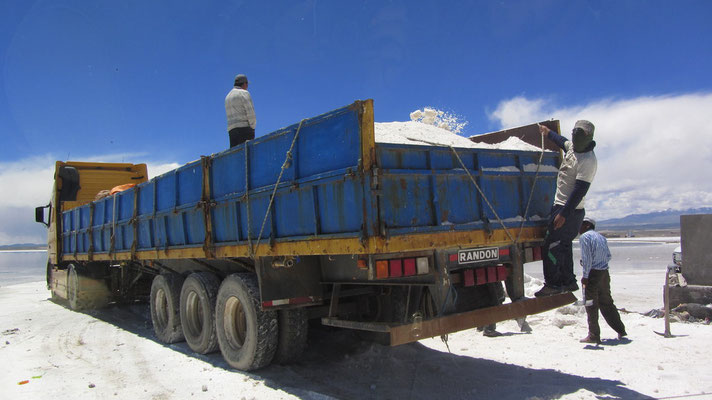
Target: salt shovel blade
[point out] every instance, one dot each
(583, 302)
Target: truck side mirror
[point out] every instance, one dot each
(39, 215)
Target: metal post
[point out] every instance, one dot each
(666, 300)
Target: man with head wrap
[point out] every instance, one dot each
(575, 176)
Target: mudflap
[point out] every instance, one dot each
(402, 334)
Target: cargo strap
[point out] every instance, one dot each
(285, 165)
(531, 193)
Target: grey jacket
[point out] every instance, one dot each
(239, 109)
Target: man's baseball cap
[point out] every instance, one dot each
(240, 80)
(590, 221)
(587, 126)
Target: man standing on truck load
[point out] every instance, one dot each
(575, 176)
(597, 282)
(241, 120)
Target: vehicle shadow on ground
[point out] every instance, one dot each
(337, 364)
(340, 364)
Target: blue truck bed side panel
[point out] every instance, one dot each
(323, 193)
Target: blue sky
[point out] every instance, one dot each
(145, 81)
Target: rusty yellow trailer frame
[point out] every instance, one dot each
(374, 245)
(408, 333)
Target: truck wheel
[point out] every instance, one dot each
(197, 311)
(49, 276)
(292, 336)
(165, 305)
(83, 292)
(52, 291)
(246, 334)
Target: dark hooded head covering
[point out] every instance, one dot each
(582, 136)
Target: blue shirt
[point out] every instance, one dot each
(594, 252)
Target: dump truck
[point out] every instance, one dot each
(239, 250)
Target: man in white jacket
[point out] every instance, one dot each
(241, 120)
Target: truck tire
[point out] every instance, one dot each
(49, 276)
(292, 336)
(83, 292)
(197, 311)
(165, 307)
(246, 334)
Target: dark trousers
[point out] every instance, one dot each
(598, 289)
(557, 253)
(241, 135)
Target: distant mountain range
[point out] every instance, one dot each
(667, 219)
(23, 246)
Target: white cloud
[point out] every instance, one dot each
(27, 183)
(654, 153)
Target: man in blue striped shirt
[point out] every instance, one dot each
(597, 282)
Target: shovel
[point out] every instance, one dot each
(583, 301)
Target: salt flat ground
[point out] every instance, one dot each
(112, 353)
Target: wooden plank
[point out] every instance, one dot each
(457, 322)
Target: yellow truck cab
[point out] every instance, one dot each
(75, 184)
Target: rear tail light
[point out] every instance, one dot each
(469, 277)
(532, 254)
(382, 269)
(423, 267)
(481, 276)
(409, 267)
(501, 272)
(401, 267)
(536, 253)
(396, 267)
(491, 274)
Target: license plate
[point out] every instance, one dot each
(477, 255)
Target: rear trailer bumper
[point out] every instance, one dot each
(412, 332)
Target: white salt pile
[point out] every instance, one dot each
(419, 133)
(439, 118)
